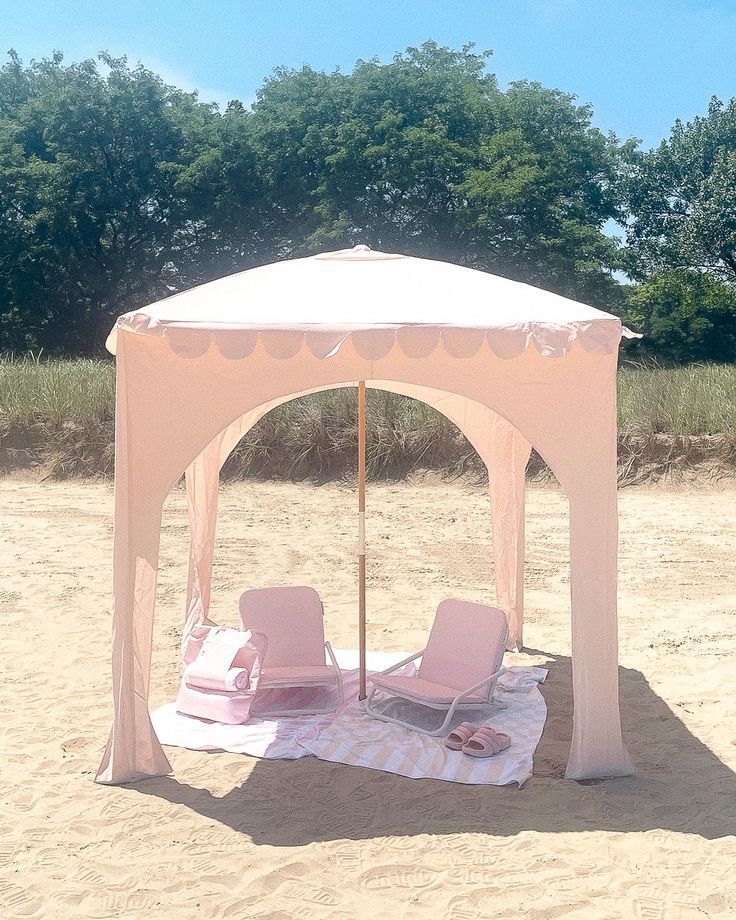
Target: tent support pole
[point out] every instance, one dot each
(361, 537)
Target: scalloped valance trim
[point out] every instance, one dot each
(375, 343)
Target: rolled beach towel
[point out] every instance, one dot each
(234, 679)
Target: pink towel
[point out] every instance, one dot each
(205, 679)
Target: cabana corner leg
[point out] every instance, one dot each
(133, 751)
(597, 749)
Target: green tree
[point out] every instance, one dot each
(682, 198)
(114, 190)
(426, 155)
(685, 316)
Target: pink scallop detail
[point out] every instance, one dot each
(553, 342)
(323, 344)
(508, 343)
(373, 344)
(188, 343)
(418, 341)
(462, 343)
(235, 343)
(282, 343)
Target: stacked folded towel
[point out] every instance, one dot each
(201, 677)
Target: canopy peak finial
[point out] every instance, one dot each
(359, 253)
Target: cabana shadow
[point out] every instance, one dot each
(680, 786)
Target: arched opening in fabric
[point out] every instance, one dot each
(429, 395)
(502, 449)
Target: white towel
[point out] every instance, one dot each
(199, 676)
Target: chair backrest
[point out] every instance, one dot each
(292, 619)
(466, 644)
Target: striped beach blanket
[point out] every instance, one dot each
(351, 736)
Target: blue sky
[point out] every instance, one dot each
(639, 63)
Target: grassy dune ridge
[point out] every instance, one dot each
(60, 414)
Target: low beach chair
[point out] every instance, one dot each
(459, 668)
(293, 620)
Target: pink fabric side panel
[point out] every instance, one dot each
(507, 462)
(133, 750)
(597, 748)
(202, 485)
(203, 489)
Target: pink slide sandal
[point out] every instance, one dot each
(486, 742)
(460, 736)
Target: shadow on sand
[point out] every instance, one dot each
(680, 786)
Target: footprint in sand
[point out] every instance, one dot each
(473, 875)
(463, 910)
(649, 903)
(7, 852)
(313, 894)
(18, 902)
(349, 858)
(90, 878)
(115, 810)
(74, 744)
(657, 904)
(48, 860)
(123, 905)
(399, 877)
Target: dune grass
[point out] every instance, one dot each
(699, 399)
(60, 413)
(53, 392)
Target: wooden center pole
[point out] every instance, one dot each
(361, 538)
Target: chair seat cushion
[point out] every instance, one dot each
(317, 675)
(423, 690)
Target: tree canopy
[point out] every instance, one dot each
(684, 315)
(682, 198)
(114, 190)
(426, 155)
(117, 189)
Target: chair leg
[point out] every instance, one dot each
(340, 687)
(377, 714)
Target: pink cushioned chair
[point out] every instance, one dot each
(459, 667)
(293, 620)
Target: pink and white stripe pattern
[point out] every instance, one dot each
(350, 736)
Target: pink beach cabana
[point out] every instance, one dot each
(511, 365)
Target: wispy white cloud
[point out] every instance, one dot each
(182, 80)
(550, 9)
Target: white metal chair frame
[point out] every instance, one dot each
(458, 703)
(271, 713)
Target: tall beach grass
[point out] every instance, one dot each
(60, 414)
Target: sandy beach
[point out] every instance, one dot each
(228, 836)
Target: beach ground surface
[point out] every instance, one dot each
(228, 836)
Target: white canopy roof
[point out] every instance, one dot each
(386, 298)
